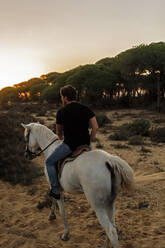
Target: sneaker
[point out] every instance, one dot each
(54, 195)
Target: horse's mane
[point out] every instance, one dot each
(42, 130)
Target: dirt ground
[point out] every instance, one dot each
(140, 215)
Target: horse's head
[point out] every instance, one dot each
(31, 141)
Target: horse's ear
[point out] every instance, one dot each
(25, 126)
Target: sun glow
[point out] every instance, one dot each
(16, 69)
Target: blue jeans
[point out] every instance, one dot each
(62, 151)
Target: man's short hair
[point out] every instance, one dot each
(69, 91)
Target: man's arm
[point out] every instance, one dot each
(94, 126)
(59, 131)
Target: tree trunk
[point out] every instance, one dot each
(158, 92)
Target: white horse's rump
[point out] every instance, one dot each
(96, 173)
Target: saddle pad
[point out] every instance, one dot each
(79, 150)
(72, 157)
(62, 163)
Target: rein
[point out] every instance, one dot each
(33, 155)
(38, 154)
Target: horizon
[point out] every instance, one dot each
(42, 73)
(41, 37)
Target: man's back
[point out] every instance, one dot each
(74, 118)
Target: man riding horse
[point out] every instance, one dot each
(72, 126)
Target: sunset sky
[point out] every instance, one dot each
(41, 36)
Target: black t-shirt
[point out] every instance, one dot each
(74, 118)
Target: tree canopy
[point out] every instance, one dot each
(137, 74)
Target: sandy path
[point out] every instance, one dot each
(140, 215)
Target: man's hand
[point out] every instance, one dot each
(59, 131)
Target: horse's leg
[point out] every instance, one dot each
(52, 215)
(111, 215)
(108, 226)
(106, 245)
(60, 203)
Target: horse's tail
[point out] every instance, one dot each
(118, 166)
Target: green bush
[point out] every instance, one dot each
(14, 168)
(137, 127)
(158, 134)
(27, 108)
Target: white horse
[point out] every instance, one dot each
(96, 173)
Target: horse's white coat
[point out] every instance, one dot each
(88, 173)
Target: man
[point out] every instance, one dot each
(72, 123)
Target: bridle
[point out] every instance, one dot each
(31, 155)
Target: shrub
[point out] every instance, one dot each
(137, 127)
(27, 108)
(120, 135)
(41, 112)
(158, 134)
(120, 146)
(102, 120)
(136, 140)
(158, 121)
(14, 168)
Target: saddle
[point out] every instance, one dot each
(79, 150)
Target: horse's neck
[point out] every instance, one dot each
(44, 138)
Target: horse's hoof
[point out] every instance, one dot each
(52, 217)
(64, 237)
